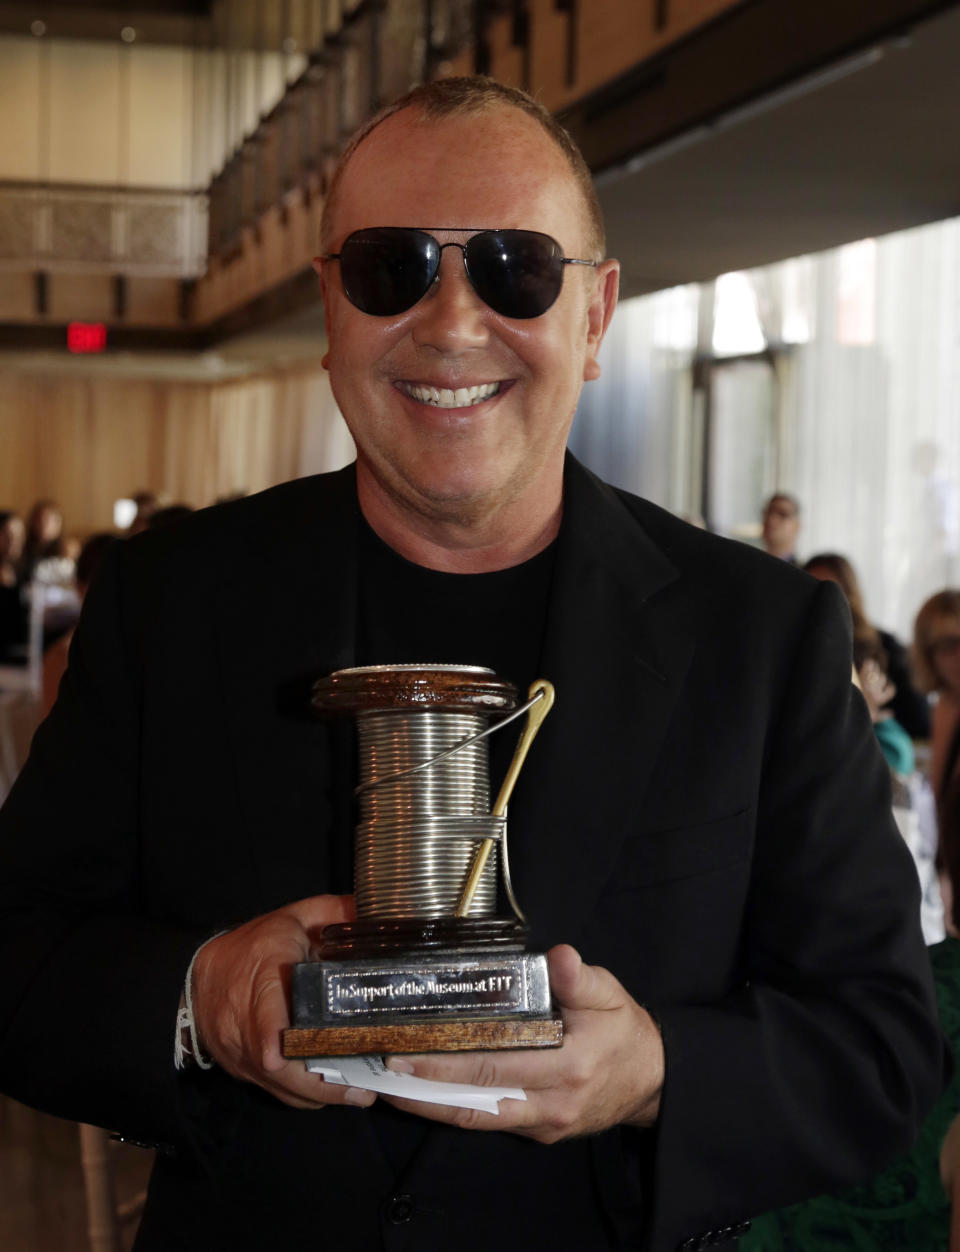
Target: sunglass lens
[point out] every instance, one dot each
(519, 273)
(386, 270)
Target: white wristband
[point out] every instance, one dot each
(186, 1044)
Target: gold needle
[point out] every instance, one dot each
(535, 715)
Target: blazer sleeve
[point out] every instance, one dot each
(820, 1065)
(91, 980)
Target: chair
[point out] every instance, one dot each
(106, 1218)
(21, 685)
(28, 678)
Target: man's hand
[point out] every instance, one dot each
(608, 1071)
(241, 990)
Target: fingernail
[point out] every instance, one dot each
(399, 1065)
(357, 1096)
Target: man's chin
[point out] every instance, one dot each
(448, 492)
(463, 503)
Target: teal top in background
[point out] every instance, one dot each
(896, 746)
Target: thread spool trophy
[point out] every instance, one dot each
(427, 966)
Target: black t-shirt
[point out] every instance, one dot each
(408, 614)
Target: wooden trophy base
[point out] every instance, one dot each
(446, 1035)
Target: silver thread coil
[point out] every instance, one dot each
(418, 834)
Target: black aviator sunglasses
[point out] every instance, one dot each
(385, 270)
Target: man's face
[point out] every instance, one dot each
(780, 526)
(446, 460)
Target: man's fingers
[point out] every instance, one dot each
(464, 1119)
(577, 986)
(296, 1086)
(270, 1017)
(317, 911)
(526, 1068)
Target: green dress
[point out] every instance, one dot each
(902, 1209)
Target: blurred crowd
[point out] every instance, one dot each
(38, 553)
(912, 693)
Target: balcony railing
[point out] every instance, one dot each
(67, 229)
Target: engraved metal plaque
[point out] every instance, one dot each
(440, 986)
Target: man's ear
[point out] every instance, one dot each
(599, 312)
(321, 274)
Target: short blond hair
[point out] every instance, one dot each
(943, 604)
(467, 96)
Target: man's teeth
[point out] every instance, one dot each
(445, 398)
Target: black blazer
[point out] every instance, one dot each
(705, 813)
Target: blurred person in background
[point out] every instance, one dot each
(13, 613)
(936, 658)
(914, 806)
(44, 538)
(147, 503)
(781, 525)
(869, 661)
(12, 536)
(55, 657)
(168, 515)
(902, 701)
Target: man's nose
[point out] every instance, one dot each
(451, 317)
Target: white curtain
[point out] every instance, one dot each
(874, 440)
(864, 413)
(88, 440)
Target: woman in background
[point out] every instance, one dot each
(44, 537)
(936, 654)
(908, 705)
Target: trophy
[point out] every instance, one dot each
(428, 965)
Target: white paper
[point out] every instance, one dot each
(370, 1073)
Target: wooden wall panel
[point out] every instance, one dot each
(549, 39)
(506, 59)
(84, 104)
(80, 297)
(20, 79)
(16, 296)
(158, 91)
(153, 302)
(611, 37)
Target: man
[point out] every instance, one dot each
(703, 815)
(781, 525)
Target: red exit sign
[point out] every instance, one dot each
(86, 336)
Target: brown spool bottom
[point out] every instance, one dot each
(417, 934)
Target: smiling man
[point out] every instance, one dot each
(702, 838)
(460, 410)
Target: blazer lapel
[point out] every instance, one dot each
(617, 648)
(301, 558)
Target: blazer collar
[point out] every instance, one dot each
(617, 648)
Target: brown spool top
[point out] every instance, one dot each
(441, 688)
